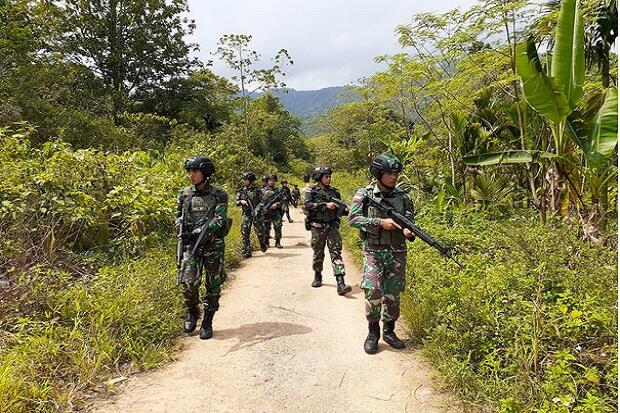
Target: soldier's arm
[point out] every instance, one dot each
(309, 204)
(221, 212)
(238, 198)
(180, 200)
(356, 214)
(408, 207)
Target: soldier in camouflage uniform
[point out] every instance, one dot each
(270, 212)
(288, 200)
(248, 199)
(200, 205)
(296, 195)
(384, 250)
(324, 225)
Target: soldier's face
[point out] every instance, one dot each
(326, 180)
(389, 179)
(247, 182)
(196, 176)
(271, 182)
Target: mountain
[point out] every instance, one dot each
(308, 104)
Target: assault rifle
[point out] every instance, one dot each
(342, 207)
(180, 247)
(404, 222)
(273, 200)
(201, 237)
(249, 205)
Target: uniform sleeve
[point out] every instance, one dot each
(356, 214)
(409, 207)
(238, 198)
(220, 214)
(180, 199)
(309, 204)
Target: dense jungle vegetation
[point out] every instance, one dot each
(505, 116)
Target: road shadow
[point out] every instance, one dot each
(255, 333)
(292, 236)
(355, 291)
(299, 245)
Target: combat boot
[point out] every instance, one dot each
(371, 345)
(189, 325)
(206, 328)
(389, 336)
(341, 287)
(263, 245)
(318, 279)
(278, 245)
(246, 255)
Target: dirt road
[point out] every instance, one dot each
(281, 345)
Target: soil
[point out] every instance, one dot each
(281, 345)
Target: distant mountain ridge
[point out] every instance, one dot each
(307, 104)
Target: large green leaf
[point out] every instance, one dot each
(604, 134)
(538, 88)
(507, 157)
(568, 65)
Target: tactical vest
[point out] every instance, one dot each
(388, 238)
(317, 195)
(200, 208)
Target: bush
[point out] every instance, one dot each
(87, 266)
(529, 324)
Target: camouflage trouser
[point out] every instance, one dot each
(285, 210)
(382, 282)
(331, 236)
(246, 229)
(269, 218)
(211, 263)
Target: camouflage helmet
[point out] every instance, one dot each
(265, 178)
(250, 176)
(272, 176)
(201, 163)
(320, 171)
(385, 163)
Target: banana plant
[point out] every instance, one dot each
(554, 92)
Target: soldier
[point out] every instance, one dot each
(384, 250)
(288, 199)
(324, 225)
(270, 212)
(202, 206)
(248, 199)
(296, 195)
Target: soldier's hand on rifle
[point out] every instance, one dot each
(408, 233)
(243, 202)
(389, 224)
(274, 206)
(331, 205)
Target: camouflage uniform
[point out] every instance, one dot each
(252, 196)
(270, 216)
(208, 207)
(324, 226)
(385, 252)
(288, 199)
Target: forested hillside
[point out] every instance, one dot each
(504, 116)
(309, 104)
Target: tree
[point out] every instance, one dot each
(130, 45)
(234, 50)
(202, 100)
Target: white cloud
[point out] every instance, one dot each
(331, 42)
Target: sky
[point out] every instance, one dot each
(332, 42)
